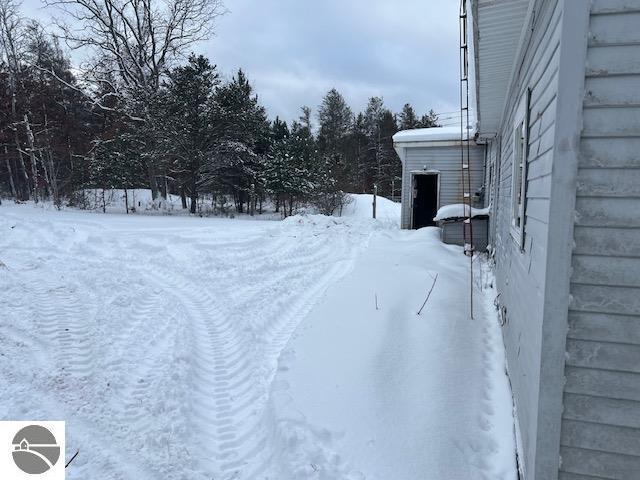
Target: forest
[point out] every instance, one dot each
(143, 111)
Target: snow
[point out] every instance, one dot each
(357, 206)
(433, 134)
(114, 200)
(361, 206)
(181, 347)
(458, 210)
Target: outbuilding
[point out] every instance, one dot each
(432, 172)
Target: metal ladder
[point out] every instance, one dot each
(465, 149)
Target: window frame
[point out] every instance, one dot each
(519, 170)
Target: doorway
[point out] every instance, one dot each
(425, 199)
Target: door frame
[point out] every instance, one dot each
(413, 187)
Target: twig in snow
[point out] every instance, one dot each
(428, 294)
(72, 458)
(376, 297)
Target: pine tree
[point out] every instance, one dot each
(184, 124)
(237, 161)
(116, 164)
(357, 154)
(279, 130)
(429, 120)
(408, 118)
(380, 125)
(335, 120)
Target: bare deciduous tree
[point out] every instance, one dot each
(11, 39)
(134, 42)
(140, 37)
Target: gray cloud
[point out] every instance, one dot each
(293, 51)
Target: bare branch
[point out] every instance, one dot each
(142, 37)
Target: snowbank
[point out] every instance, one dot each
(368, 389)
(457, 210)
(113, 200)
(357, 213)
(360, 206)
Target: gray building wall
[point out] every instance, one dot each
(446, 159)
(601, 417)
(453, 232)
(521, 274)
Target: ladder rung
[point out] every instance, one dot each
(465, 166)
(466, 195)
(467, 221)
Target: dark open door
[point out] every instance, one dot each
(425, 200)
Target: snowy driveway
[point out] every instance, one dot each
(164, 344)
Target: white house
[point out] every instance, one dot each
(558, 107)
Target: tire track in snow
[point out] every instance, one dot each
(64, 324)
(223, 306)
(280, 335)
(235, 358)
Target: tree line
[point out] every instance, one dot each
(140, 115)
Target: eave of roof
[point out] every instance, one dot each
(497, 27)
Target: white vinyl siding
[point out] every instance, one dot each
(447, 161)
(521, 275)
(601, 419)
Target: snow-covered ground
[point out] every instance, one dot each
(208, 348)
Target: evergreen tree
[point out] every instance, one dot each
(408, 118)
(116, 164)
(184, 123)
(335, 120)
(244, 134)
(279, 130)
(357, 154)
(380, 125)
(429, 120)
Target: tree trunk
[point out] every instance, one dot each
(183, 197)
(23, 170)
(151, 171)
(194, 195)
(250, 201)
(12, 184)
(126, 201)
(240, 205)
(53, 181)
(32, 157)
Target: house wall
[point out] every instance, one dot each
(447, 160)
(601, 417)
(521, 274)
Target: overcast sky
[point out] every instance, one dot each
(293, 51)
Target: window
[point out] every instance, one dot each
(519, 173)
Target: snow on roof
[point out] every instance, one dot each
(433, 134)
(457, 210)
